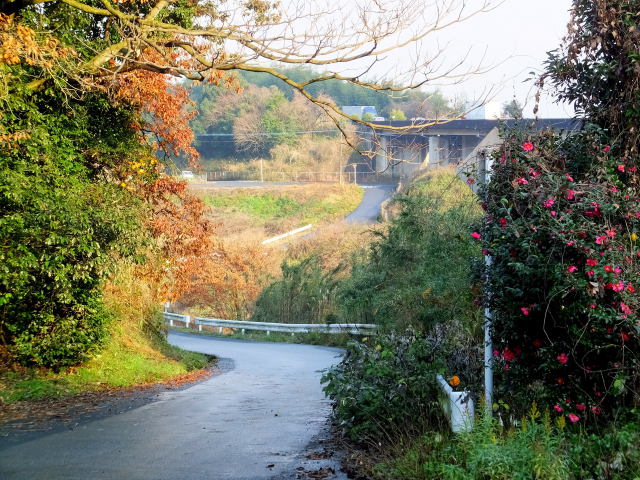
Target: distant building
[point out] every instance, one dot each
(360, 110)
(488, 111)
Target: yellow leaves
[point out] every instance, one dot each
(20, 43)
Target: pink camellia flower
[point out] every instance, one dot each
(572, 268)
(485, 251)
(571, 194)
(471, 180)
(553, 213)
(593, 305)
(569, 177)
(563, 358)
(596, 410)
(606, 148)
(601, 239)
(476, 235)
(590, 273)
(558, 408)
(527, 146)
(615, 189)
(549, 202)
(573, 417)
(621, 168)
(571, 243)
(591, 262)
(618, 287)
(524, 310)
(611, 232)
(617, 271)
(523, 181)
(496, 353)
(625, 308)
(630, 288)
(534, 173)
(581, 407)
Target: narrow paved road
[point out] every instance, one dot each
(257, 419)
(368, 210)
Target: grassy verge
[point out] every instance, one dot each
(283, 207)
(132, 355)
(313, 338)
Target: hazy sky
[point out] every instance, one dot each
(518, 33)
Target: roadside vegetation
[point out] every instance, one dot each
(561, 226)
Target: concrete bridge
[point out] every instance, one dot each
(458, 142)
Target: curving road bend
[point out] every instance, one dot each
(369, 209)
(257, 419)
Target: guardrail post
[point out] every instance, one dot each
(243, 331)
(219, 330)
(268, 332)
(171, 322)
(199, 327)
(187, 321)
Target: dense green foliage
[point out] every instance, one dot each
(563, 216)
(536, 449)
(304, 294)
(417, 273)
(385, 387)
(62, 222)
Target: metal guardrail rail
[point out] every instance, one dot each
(293, 328)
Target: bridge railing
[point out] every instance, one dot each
(293, 328)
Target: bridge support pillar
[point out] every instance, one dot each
(434, 151)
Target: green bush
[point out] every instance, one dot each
(418, 272)
(385, 387)
(305, 294)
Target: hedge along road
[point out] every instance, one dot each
(256, 419)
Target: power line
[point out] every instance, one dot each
(264, 134)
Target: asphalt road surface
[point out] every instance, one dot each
(368, 210)
(259, 418)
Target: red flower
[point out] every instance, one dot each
(572, 269)
(537, 343)
(476, 235)
(508, 355)
(591, 262)
(557, 408)
(503, 222)
(573, 417)
(621, 168)
(522, 181)
(527, 146)
(581, 407)
(608, 268)
(560, 381)
(524, 310)
(549, 202)
(471, 180)
(606, 148)
(591, 273)
(630, 288)
(569, 177)
(571, 194)
(625, 336)
(601, 239)
(563, 358)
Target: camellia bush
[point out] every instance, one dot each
(561, 227)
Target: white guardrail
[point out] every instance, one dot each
(457, 406)
(293, 328)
